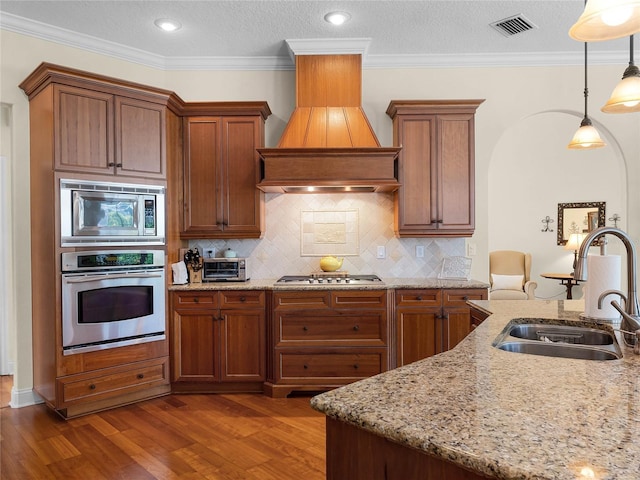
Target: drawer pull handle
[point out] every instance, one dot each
(111, 164)
(141, 375)
(92, 387)
(356, 327)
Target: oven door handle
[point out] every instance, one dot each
(93, 278)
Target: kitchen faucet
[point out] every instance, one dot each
(630, 315)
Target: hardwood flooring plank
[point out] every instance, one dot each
(183, 437)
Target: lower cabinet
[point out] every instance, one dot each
(218, 341)
(323, 339)
(431, 321)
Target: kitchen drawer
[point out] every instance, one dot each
(431, 297)
(359, 299)
(458, 297)
(301, 299)
(242, 298)
(199, 299)
(361, 328)
(112, 382)
(334, 366)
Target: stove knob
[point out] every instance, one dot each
(329, 280)
(319, 280)
(338, 279)
(310, 280)
(347, 280)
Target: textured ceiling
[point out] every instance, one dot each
(451, 32)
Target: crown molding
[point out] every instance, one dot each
(89, 43)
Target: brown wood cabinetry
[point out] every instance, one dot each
(221, 170)
(436, 167)
(99, 132)
(384, 459)
(92, 127)
(431, 321)
(323, 339)
(218, 340)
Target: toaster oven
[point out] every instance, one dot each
(224, 270)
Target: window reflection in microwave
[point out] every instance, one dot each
(105, 213)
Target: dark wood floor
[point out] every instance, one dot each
(235, 436)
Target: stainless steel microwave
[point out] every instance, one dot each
(108, 214)
(224, 270)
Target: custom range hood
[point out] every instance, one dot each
(328, 144)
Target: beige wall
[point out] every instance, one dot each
(512, 96)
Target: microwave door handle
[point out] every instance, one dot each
(93, 278)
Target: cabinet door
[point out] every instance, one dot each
(83, 125)
(457, 325)
(456, 195)
(419, 333)
(195, 352)
(140, 138)
(243, 345)
(202, 168)
(416, 200)
(242, 202)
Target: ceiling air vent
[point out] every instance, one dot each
(512, 25)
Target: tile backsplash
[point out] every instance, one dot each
(281, 251)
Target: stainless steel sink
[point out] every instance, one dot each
(566, 341)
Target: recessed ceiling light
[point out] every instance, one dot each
(337, 18)
(167, 25)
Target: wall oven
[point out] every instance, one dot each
(112, 299)
(107, 214)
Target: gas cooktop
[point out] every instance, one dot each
(337, 278)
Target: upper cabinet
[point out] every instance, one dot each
(221, 169)
(436, 167)
(100, 125)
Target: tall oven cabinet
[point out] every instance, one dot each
(96, 128)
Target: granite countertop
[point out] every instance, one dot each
(389, 283)
(507, 415)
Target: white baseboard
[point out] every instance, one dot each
(24, 398)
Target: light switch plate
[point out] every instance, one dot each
(381, 252)
(419, 251)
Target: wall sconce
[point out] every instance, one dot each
(573, 243)
(547, 220)
(626, 96)
(606, 20)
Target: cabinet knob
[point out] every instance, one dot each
(119, 165)
(356, 327)
(465, 298)
(419, 298)
(243, 299)
(305, 328)
(355, 366)
(196, 300)
(92, 387)
(111, 164)
(305, 366)
(141, 375)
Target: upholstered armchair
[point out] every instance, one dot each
(510, 271)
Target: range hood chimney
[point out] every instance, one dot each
(328, 144)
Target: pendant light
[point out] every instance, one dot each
(606, 20)
(626, 96)
(586, 137)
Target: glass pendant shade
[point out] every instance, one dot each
(586, 137)
(626, 96)
(606, 20)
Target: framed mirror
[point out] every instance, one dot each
(579, 218)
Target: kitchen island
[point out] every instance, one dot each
(479, 412)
